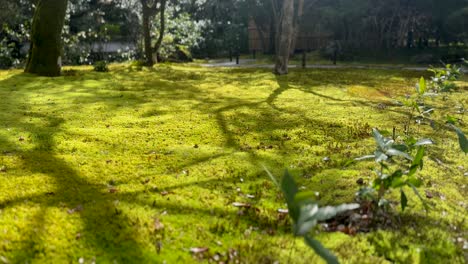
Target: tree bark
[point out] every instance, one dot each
(149, 12)
(162, 30)
(284, 37)
(297, 25)
(46, 38)
(147, 35)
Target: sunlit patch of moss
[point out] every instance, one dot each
(92, 159)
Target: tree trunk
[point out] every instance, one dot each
(297, 25)
(284, 36)
(147, 35)
(46, 38)
(162, 30)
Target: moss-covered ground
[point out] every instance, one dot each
(141, 166)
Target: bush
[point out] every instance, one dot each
(100, 66)
(5, 62)
(182, 54)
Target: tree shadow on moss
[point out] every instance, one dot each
(72, 192)
(107, 231)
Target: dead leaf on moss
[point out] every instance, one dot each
(242, 205)
(158, 225)
(198, 250)
(78, 208)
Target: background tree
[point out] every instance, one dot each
(287, 23)
(46, 43)
(149, 10)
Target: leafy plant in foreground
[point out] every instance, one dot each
(392, 174)
(306, 213)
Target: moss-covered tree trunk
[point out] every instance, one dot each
(46, 43)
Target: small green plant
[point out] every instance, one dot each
(393, 173)
(417, 105)
(441, 82)
(306, 213)
(101, 66)
(443, 78)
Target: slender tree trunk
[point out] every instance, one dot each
(147, 36)
(297, 25)
(46, 38)
(162, 30)
(284, 36)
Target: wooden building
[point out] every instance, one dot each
(262, 40)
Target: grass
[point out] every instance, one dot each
(140, 166)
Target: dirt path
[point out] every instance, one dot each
(249, 63)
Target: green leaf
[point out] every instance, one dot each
(321, 250)
(327, 212)
(419, 196)
(380, 156)
(424, 142)
(378, 138)
(398, 182)
(271, 177)
(461, 139)
(304, 197)
(403, 200)
(307, 219)
(417, 161)
(400, 147)
(290, 189)
(365, 157)
(395, 152)
(311, 214)
(414, 181)
(422, 86)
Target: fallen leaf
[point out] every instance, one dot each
(198, 250)
(429, 194)
(4, 260)
(283, 211)
(217, 257)
(158, 225)
(146, 181)
(79, 208)
(244, 205)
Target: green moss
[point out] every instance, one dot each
(92, 159)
